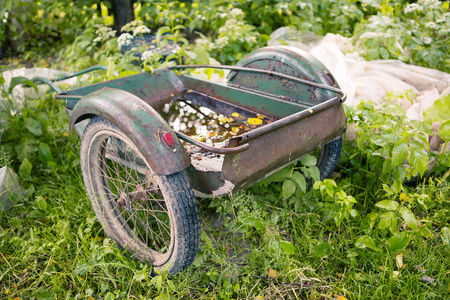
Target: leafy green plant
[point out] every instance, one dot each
(319, 17)
(295, 178)
(393, 146)
(52, 239)
(440, 112)
(45, 22)
(30, 129)
(391, 211)
(337, 206)
(236, 38)
(163, 284)
(92, 47)
(414, 33)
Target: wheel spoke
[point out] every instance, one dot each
(141, 212)
(135, 206)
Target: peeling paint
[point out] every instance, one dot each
(137, 107)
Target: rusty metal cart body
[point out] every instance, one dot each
(140, 175)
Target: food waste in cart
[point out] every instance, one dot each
(208, 126)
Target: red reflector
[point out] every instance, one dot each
(168, 138)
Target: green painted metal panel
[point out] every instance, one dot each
(264, 104)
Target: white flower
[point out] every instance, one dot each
(146, 55)
(430, 25)
(124, 39)
(141, 30)
(132, 25)
(432, 2)
(222, 41)
(427, 40)
(205, 43)
(104, 33)
(236, 12)
(412, 7)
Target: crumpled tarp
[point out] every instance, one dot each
(369, 80)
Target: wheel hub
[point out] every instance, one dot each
(125, 199)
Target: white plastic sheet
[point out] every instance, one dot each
(10, 189)
(369, 80)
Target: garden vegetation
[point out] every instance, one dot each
(377, 229)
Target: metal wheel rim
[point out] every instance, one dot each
(129, 238)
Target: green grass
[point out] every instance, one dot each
(254, 244)
(52, 247)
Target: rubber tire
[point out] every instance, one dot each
(178, 198)
(329, 157)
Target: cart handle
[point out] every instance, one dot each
(234, 68)
(49, 82)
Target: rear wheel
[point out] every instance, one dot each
(154, 217)
(328, 157)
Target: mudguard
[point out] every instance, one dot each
(290, 61)
(140, 122)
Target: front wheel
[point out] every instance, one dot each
(155, 218)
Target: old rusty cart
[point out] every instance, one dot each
(142, 171)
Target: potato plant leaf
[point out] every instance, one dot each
(15, 81)
(279, 176)
(287, 247)
(439, 111)
(399, 174)
(44, 119)
(322, 250)
(387, 204)
(25, 169)
(45, 154)
(308, 160)
(398, 241)
(388, 220)
(418, 157)
(367, 242)
(33, 126)
(400, 152)
(311, 172)
(299, 179)
(409, 217)
(26, 148)
(444, 131)
(288, 189)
